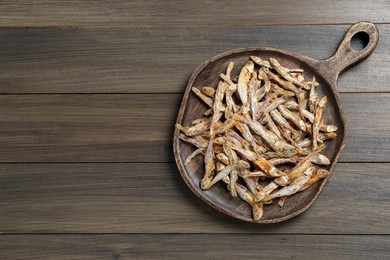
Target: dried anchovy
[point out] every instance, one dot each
(257, 123)
(208, 91)
(243, 80)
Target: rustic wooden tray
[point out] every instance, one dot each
(326, 72)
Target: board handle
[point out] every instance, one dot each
(345, 56)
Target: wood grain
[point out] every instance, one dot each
(54, 149)
(157, 13)
(139, 128)
(152, 198)
(60, 128)
(232, 246)
(160, 60)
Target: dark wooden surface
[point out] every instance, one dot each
(191, 13)
(160, 60)
(152, 198)
(194, 246)
(90, 90)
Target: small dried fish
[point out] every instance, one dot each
(222, 174)
(230, 104)
(252, 97)
(197, 141)
(298, 169)
(219, 166)
(250, 183)
(229, 69)
(318, 175)
(200, 120)
(231, 154)
(279, 119)
(261, 62)
(227, 79)
(326, 136)
(208, 91)
(301, 78)
(217, 148)
(320, 159)
(243, 165)
(193, 155)
(219, 94)
(209, 101)
(284, 154)
(243, 80)
(282, 83)
(302, 135)
(292, 105)
(285, 73)
(228, 124)
(236, 138)
(270, 104)
(246, 133)
(254, 74)
(282, 201)
(317, 120)
(282, 92)
(227, 181)
(263, 91)
(266, 191)
(217, 106)
(275, 103)
(295, 186)
(268, 136)
(272, 126)
(270, 187)
(195, 129)
(253, 174)
(313, 97)
(279, 161)
(328, 128)
(258, 160)
(287, 135)
(301, 104)
(233, 182)
(261, 75)
(323, 127)
(223, 158)
(295, 70)
(209, 162)
(293, 117)
(258, 124)
(305, 143)
(257, 207)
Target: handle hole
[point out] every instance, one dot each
(360, 41)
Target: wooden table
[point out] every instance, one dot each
(89, 95)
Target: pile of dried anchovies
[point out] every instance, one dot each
(258, 122)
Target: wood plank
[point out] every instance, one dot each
(197, 246)
(160, 60)
(152, 198)
(366, 108)
(50, 128)
(157, 13)
(139, 128)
